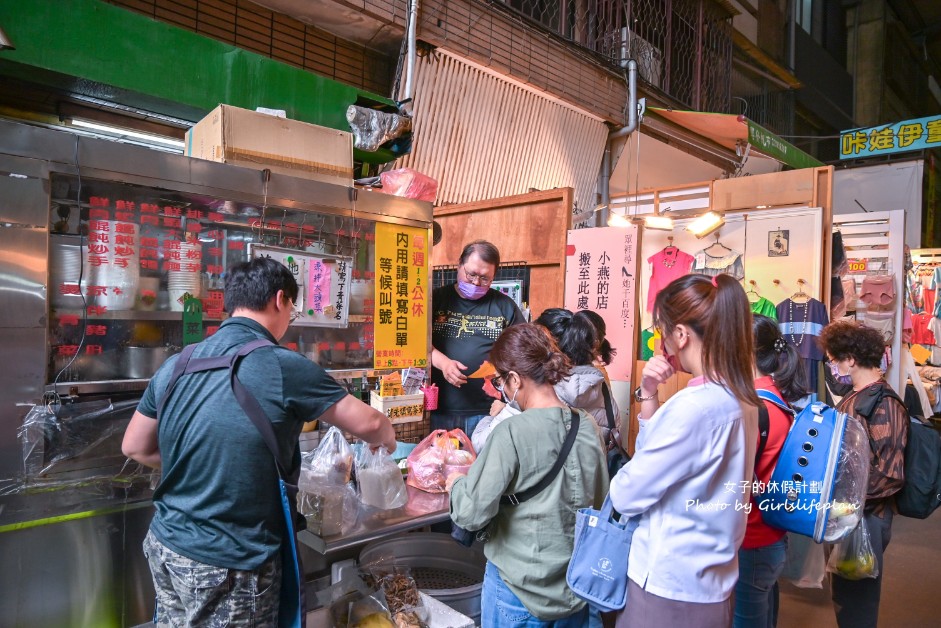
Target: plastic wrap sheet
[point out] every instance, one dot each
(70, 448)
(852, 480)
(55, 433)
(410, 184)
(372, 129)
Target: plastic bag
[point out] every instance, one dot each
(380, 480)
(410, 184)
(852, 480)
(853, 558)
(805, 564)
(439, 459)
(326, 496)
(402, 599)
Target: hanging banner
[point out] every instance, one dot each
(900, 137)
(323, 283)
(402, 296)
(599, 276)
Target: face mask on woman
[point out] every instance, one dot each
(838, 376)
(510, 402)
(470, 291)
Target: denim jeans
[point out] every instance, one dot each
(500, 608)
(857, 601)
(190, 593)
(453, 420)
(756, 594)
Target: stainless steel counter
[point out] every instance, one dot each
(421, 510)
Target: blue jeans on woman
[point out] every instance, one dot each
(500, 608)
(756, 594)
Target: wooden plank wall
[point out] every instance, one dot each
(530, 228)
(280, 37)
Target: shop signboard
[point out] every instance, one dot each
(402, 296)
(599, 276)
(908, 135)
(773, 146)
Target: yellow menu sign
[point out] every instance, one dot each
(402, 296)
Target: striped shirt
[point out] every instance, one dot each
(887, 427)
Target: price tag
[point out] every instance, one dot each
(858, 265)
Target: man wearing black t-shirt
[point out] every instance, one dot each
(468, 317)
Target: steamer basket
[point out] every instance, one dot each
(446, 571)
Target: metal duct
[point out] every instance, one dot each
(483, 137)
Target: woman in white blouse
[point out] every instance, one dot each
(690, 476)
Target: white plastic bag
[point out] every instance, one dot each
(380, 480)
(806, 564)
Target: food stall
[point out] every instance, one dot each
(111, 260)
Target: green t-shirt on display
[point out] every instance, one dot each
(766, 308)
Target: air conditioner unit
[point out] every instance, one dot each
(649, 58)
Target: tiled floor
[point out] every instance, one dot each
(911, 590)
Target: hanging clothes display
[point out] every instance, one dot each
(765, 307)
(727, 264)
(666, 265)
(922, 333)
(801, 323)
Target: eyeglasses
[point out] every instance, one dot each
(477, 280)
(497, 381)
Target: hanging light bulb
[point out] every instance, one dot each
(662, 223)
(618, 220)
(706, 224)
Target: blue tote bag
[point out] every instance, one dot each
(597, 572)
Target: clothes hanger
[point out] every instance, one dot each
(669, 245)
(800, 296)
(717, 243)
(753, 291)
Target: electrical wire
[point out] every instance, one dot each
(51, 398)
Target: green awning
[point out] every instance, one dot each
(727, 129)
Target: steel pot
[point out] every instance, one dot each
(143, 362)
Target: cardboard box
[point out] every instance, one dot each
(256, 140)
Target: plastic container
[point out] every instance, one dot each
(400, 408)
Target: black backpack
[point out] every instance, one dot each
(921, 493)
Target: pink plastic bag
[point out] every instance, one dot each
(438, 459)
(410, 184)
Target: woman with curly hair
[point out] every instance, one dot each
(855, 353)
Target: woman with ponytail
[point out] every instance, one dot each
(529, 544)
(691, 473)
(778, 372)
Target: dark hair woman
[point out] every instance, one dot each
(579, 338)
(855, 354)
(530, 544)
(684, 556)
(778, 372)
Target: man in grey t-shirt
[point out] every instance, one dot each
(214, 543)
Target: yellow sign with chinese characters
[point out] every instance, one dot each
(900, 137)
(402, 297)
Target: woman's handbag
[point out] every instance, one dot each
(597, 572)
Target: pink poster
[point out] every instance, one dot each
(318, 285)
(599, 276)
